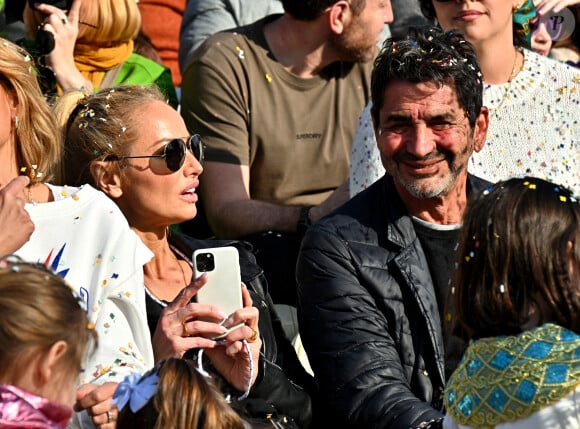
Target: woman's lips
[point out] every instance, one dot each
(468, 15)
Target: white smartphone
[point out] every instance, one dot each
(224, 284)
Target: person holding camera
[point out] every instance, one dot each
(89, 45)
(133, 146)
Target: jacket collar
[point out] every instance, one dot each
(400, 230)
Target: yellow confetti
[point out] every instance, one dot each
(128, 294)
(104, 283)
(532, 186)
(75, 197)
(268, 78)
(563, 198)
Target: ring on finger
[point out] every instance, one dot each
(186, 332)
(253, 337)
(109, 416)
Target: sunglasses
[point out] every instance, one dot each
(174, 152)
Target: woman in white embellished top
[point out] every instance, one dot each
(516, 297)
(534, 101)
(78, 232)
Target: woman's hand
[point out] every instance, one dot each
(546, 6)
(65, 28)
(179, 330)
(230, 358)
(17, 227)
(98, 401)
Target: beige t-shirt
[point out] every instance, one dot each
(295, 134)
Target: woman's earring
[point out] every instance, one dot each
(16, 122)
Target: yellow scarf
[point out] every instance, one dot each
(94, 61)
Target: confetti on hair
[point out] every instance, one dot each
(501, 288)
(563, 198)
(87, 113)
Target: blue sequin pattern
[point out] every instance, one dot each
(504, 379)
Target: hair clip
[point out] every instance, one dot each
(136, 391)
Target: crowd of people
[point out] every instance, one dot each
(400, 180)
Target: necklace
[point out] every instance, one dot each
(181, 255)
(508, 88)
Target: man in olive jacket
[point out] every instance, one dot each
(373, 276)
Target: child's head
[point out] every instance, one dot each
(44, 332)
(519, 260)
(177, 396)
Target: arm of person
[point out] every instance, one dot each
(225, 189)
(545, 6)
(201, 19)
(349, 341)
(65, 27)
(17, 227)
(282, 381)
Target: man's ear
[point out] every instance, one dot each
(106, 179)
(338, 15)
(480, 131)
(50, 361)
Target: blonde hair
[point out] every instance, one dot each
(38, 309)
(101, 22)
(100, 125)
(184, 399)
(38, 141)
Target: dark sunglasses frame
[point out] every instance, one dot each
(174, 152)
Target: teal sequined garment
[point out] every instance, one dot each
(503, 379)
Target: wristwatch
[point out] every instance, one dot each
(303, 221)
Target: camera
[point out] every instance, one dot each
(61, 4)
(45, 39)
(204, 262)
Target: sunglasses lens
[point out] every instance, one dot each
(175, 154)
(196, 147)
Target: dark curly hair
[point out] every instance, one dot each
(427, 54)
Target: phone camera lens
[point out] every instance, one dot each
(205, 262)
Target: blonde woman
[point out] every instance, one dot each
(93, 46)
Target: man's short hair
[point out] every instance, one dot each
(308, 10)
(427, 54)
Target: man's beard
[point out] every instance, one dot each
(348, 51)
(415, 187)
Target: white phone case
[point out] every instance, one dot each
(223, 288)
